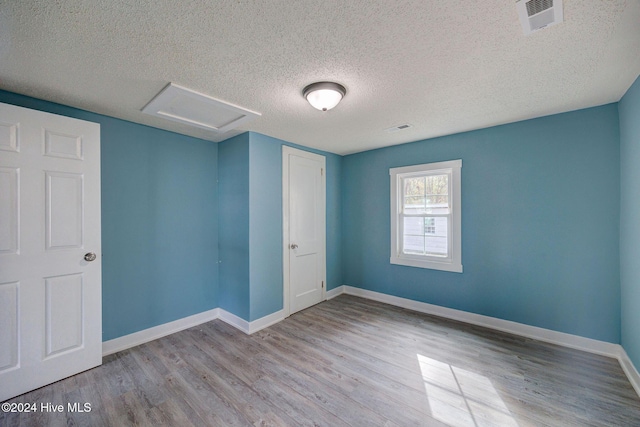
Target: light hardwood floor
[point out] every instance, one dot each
(348, 361)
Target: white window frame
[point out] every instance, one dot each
(453, 262)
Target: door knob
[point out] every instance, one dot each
(90, 256)
(294, 246)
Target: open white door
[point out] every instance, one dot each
(50, 257)
(304, 219)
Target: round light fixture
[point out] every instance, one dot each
(324, 95)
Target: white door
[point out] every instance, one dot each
(304, 218)
(50, 285)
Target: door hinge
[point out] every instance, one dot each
(321, 171)
(323, 284)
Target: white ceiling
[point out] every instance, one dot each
(442, 66)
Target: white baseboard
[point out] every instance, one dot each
(602, 348)
(266, 321)
(137, 338)
(235, 321)
(629, 369)
(122, 343)
(335, 292)
(541, 334)
(254, 326)
(546, 335)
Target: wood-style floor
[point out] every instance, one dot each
(347, 361)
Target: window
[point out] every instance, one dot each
(426, 216)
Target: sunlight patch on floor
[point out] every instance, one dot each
(462, 398)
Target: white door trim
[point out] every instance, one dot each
(286, 152)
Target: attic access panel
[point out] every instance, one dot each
(192, 108)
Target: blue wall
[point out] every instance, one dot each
(234, 225)
(250, 228)
(540, 223)
(629, 110)
(335, 264)
(266, 225)
(266, 222)
(543, 203)
(159, 221)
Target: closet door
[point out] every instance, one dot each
(304, 219)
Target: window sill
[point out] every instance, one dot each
(452, 267)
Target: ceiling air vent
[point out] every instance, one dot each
(192, 108)
(538, 14)
(397, 128)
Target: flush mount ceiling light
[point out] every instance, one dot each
(324, 95)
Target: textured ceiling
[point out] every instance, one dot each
(442, 66)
